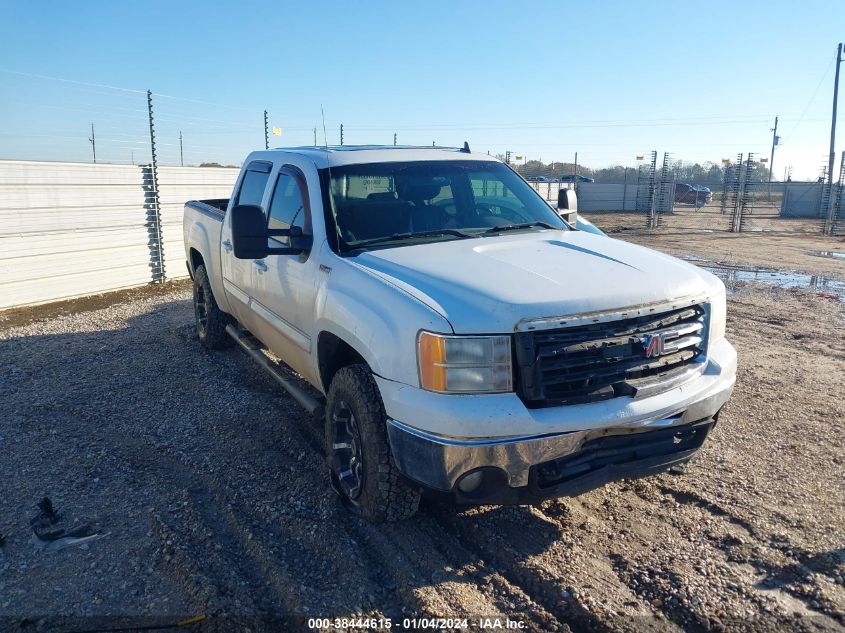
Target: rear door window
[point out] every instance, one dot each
(254, 183)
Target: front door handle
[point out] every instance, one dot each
(227, 245)
(260, 265)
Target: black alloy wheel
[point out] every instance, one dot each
(347, 463)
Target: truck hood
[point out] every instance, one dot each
(489, 285)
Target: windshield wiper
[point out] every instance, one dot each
(398, 237)
(513, 227)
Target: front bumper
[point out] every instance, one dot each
(515, 467)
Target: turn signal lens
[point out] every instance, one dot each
(465, 364)
(718, 316)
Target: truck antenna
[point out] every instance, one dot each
(325, 137)
(329, 169)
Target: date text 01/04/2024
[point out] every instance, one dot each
(417, 624)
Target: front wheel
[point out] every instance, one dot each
(361, 467)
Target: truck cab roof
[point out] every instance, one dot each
(337, 155)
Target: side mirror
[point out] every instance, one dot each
(567, 205)
(249, 232)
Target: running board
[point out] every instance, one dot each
(253, 348)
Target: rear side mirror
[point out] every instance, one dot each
(249, 232)
(567, 205)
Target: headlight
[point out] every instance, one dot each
(464, 364)
(718, 314)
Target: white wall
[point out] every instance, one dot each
(74, 229)
(594, 196)
(176, 185)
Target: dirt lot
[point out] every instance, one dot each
(771, 242)
(209, 494)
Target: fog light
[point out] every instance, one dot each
(471, 482)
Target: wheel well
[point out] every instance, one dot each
(333, 354)
(196, 260)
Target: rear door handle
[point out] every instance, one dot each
(227, 245)
(260, 265)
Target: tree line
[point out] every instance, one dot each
(708, 173)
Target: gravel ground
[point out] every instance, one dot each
(205, 485)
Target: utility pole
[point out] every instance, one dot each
(829, 211)
(315, 137)
(93, 143)
(575, 174)
(775, 141)
(394, 139)
(181, 155)
(266, 132)
(341, 133)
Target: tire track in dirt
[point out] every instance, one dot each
(491, 538)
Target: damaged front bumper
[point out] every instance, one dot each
(530, 467)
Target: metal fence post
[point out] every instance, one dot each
(624, 189)
(157, 248)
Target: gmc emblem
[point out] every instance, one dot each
(653, 344)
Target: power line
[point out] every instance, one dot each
(119, 88)
(810, 102)
(70, 81)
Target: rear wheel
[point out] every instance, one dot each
(211, 321)
(362, 469)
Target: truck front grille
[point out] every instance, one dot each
(599, 361)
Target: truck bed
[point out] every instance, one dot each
(215, 208)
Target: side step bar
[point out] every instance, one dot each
(251, 346)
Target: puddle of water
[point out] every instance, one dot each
(732, 276)
(831, 254)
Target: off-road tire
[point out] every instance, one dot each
(385, 495)
(211, 330)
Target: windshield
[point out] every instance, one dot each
(393, 204)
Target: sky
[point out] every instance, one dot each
(608, 80)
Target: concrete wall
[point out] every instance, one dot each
(549, 190)
(176, 185)
(74, 229)
(802, 200)
(594, 196)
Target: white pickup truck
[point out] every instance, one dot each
(467, 338)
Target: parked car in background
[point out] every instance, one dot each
(538, 179)
(575, 178)
(693, 194)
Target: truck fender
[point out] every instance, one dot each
(199, 240)
(351, 306)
